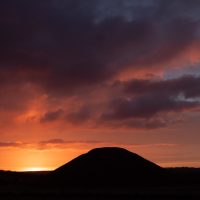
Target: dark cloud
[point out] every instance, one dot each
(188, 86)
(61, 141)
(10, 144)
(59, 46)
(145, 107)
(53, 141)
(52, 116)
(79, 117)
(147, 100)
(64, 48)
(140, 123)
(140, 104)
(46, 144)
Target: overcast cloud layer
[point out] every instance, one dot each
(98, 63)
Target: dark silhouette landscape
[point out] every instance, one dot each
(103, 173)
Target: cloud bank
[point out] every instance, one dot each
(93, 63)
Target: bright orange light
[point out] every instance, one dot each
(35, 169)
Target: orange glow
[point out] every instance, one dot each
(22, 159)
(35, 169)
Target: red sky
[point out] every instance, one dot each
(76, 75)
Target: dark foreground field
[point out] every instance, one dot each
(184, 183)
(106, 173)
(161, 193)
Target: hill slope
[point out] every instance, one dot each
(109, 166)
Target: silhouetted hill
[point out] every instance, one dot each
(109, 166)
(103, 173)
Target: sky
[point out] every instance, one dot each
(76, 75)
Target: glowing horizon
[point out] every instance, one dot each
(35, 169)
(44, 160)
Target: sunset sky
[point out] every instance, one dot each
(80, 74)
